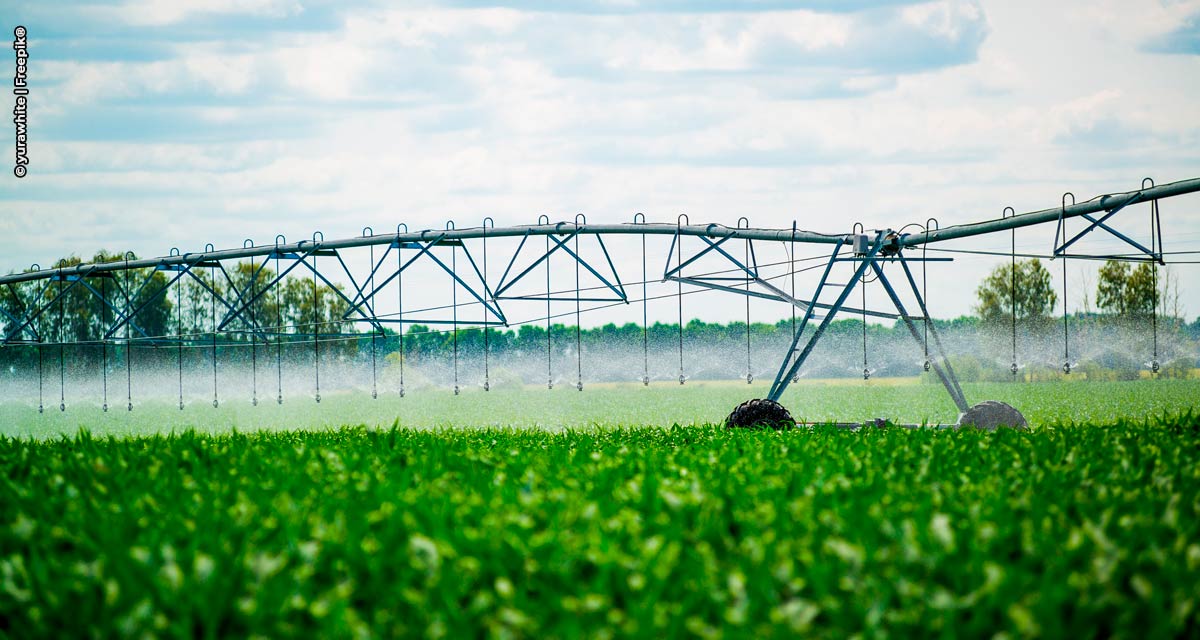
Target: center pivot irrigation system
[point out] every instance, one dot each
(701, 256)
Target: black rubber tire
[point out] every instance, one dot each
(759, 414)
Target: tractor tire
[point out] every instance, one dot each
(758, 414)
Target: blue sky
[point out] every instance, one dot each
(175, 124)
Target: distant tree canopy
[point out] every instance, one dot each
(1029, 285)
(77, 313)
(1127, 291)
(187, 307)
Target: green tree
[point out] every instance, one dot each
(1110, 292)
(1030, 285)
(1141, 290)
(71, 309)
(1126, 291)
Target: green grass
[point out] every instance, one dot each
(1068, 531)
(902, 400)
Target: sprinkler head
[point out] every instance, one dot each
(866, 374)
(254, 401)
(1014, 368)
(1154, 366)
(1067, 368)
(104, 407)
(645, 381)
(215, 403)
(41, 409)
(181, 405)
(401, 392)
(579, 385)
(682, 378)
(487, 386)
(549, 384)
(279, 400)
(749, 378)
(129, 407)
(318, 398)
(374, 394)
(455, 389)
(927, 364)
(62, 407)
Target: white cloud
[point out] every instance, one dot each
(150, 13)
(884, 115)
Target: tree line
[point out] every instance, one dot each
(1026, 289)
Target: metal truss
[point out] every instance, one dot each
(131, 285)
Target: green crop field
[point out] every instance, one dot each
(609, 519)
(607, 405)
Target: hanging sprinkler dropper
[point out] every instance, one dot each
(1062, 225)
(744, 223)
(640, 218)
(679, 221)
(934, 224)
(1156, 257)
(580, 222)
